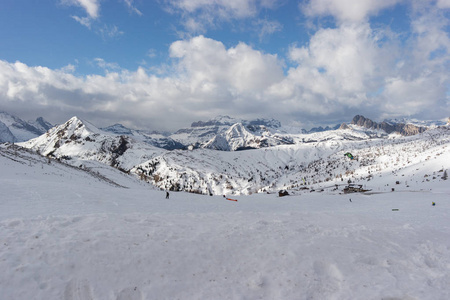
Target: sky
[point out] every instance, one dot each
(163, 64)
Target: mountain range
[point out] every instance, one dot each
(205, 159)
(220, 133)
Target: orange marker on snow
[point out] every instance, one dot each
(231, 199)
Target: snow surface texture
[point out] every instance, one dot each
(95, 233)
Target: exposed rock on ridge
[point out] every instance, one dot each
(401, 128)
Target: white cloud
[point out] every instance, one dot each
(405, 97)
(443, 3)
(109, 32)
(343, 71)
(432, 44)
(346, 10)
(107, 66)
(222, 8)
(337, 70)
(85, 21)
(92, 8)
(132, 8)
(199, 15)
(266, 27)
(210, 79)
(206, 63)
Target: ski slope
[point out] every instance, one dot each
(95, 233)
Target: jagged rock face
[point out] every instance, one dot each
(403, 129)
(363, 122)
(344, 126)
(42, 124)
(22, 130)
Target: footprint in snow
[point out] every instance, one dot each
(78, 289)
(327, 280)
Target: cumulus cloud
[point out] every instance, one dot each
(338, 71)
(209, 79)
(355, 68)
(206, 62)
(349, 69)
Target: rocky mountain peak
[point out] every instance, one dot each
(388, 127)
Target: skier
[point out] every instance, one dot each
(350, 200)
(167, 195)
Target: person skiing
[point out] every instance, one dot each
(167, 195)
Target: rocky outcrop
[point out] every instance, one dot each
(344, 126)
(401, 128)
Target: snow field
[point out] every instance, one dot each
(70, 234)
(200, 247)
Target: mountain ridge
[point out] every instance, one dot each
(19, 130)
(310, 161)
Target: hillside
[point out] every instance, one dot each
(316, 163)
(310, 162)
(93, 232)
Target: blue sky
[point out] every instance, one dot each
(163, 64)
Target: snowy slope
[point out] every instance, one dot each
(316, 162)
(69, 234)
(77, 139)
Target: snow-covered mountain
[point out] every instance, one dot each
(240, 137)
(229, 134)
(83, 141)
(18, 130)
(315, 163)
(152, 138)
(272, 161)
